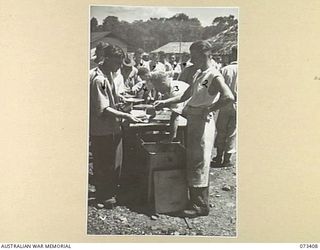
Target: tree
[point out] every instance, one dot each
(110, 23)
(225, 22)
(93, 24)
(155, 32)
(179, 17)
(209, 31)
(219, 24)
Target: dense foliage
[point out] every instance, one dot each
(156, 32)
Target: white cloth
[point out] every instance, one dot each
(200, 132)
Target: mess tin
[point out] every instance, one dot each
(133, 100)
(148, 108)
(142, 106)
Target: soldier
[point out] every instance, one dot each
(225, 141)
(105, 129)
(208, 93)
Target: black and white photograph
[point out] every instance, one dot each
(162, 139)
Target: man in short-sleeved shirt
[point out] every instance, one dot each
(105, 130)
(225, 141)
(168, 88)
(208, 92)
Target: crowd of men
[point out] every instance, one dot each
(196, 86)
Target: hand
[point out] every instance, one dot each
(124, 99)
(205, 114)
(126, 89)
(159, 104)
(121, 98)
(132, 118)
(150, 100)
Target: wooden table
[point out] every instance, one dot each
(136, 175)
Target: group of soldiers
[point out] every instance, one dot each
(196, 87)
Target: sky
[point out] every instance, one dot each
(131, 13)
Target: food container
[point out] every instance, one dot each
(141, 114)
(151, 111)
(125, 107)
(142, 106)
(134, 100)
(147, 108)
(138, 113)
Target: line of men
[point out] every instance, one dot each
(196, 90)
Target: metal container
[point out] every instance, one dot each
(160, 156)
(142, 106)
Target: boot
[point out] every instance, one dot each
(227, 160)
(217, 161)
(199, 202)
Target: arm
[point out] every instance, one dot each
(138, 86)
(226, 96)
(176, 99)
(101, 103)
(113, 112)
(174, 123)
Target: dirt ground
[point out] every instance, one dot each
(131, 217)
